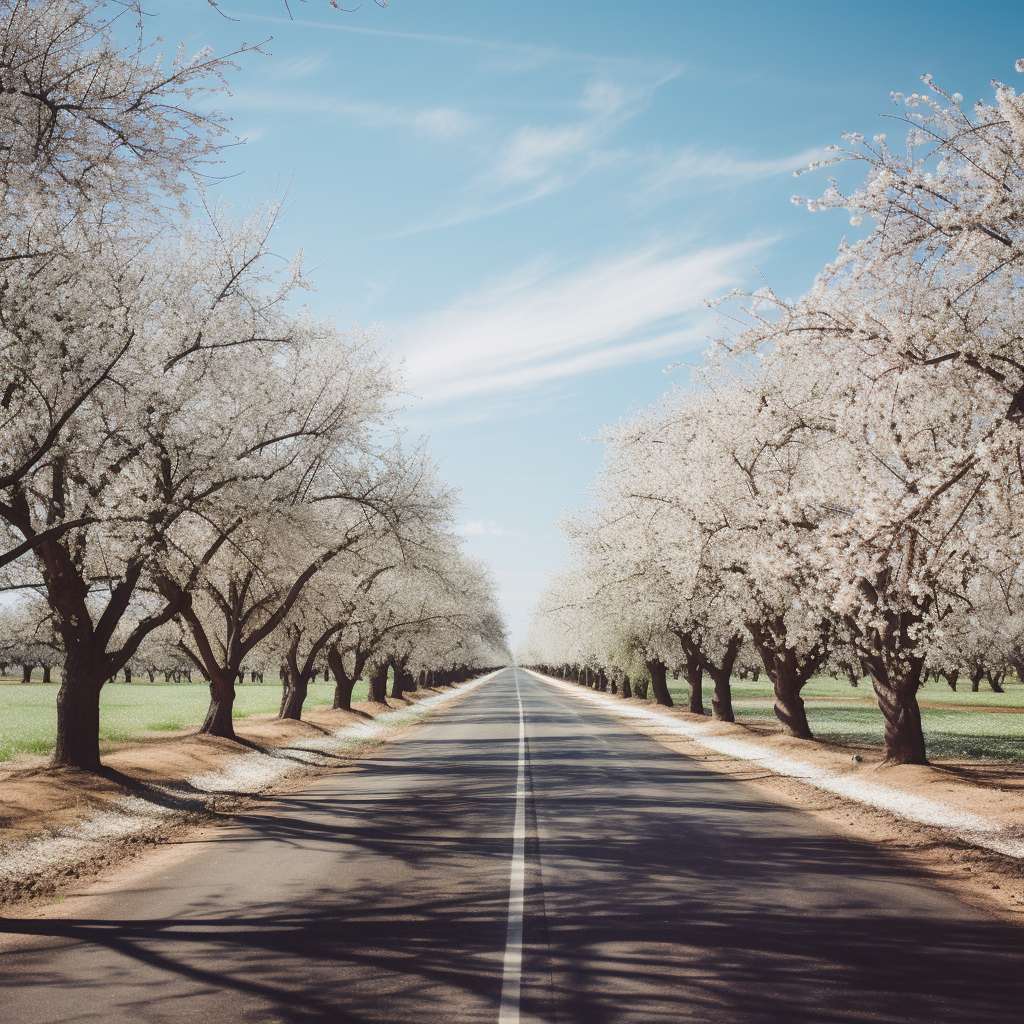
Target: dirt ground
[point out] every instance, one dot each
(992, 790)
(36, 800)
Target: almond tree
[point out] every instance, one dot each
(342, 483)
(96, 139)
(164, 447)
(921, 323)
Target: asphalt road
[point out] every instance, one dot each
(654, 891)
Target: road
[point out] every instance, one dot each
(653, 891)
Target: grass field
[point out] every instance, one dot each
(964, 724)
(28, 712)
(979, 726)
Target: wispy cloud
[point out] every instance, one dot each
(692, 163)
(543, 323)
(562, 152)
(513, 56)
(479, 528)
(444, 121)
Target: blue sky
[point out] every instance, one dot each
(533, 199)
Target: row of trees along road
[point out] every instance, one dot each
(843, 493)
(189, 461)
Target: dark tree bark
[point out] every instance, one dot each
(787, 672)
(994, 680)
(897, 700)
(294, 698)
(659, 682)
(789, 705)
(342, 683)
(693, 668)
(219, 720)
(627, 689)
(951, 677)
(721, 702)
(295, 683)
(26, 673)
(886, 652)
(46, 674)
(379, 684)
(398, 680)
(78, 714)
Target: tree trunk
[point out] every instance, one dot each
(218, 721)
(78, 716)
(789, 705)
(694, 670)
(897, 700)
(342, 684)
(659, 683)
(379, 684)
(46, 674)
(787, 675)
(951, 677)
(26, 673)
(994, 682)
(627, 690)
(284, 673)
(721, 702)
(127, 674)
(296, 686)
(397, 683)
(294, 698)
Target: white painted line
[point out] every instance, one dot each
(512, 977)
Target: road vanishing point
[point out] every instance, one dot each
(519, 857)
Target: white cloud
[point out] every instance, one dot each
(533, 152)
(692, 163)
(444, 122)
(300, 67)
(479, 528)
(541, 325)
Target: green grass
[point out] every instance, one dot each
(28, 712)
(966, 726)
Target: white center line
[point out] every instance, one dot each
(513, 973)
